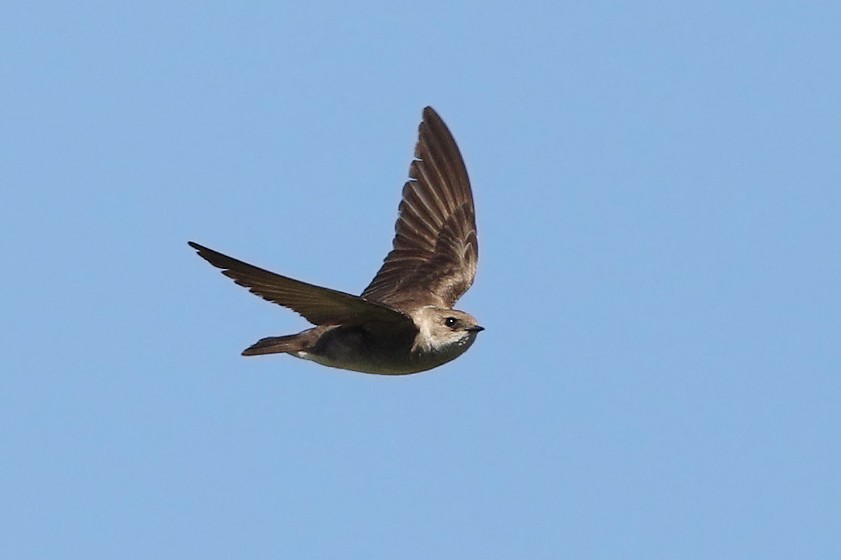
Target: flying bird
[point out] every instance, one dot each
(404, 321)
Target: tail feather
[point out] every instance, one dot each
(276, 345)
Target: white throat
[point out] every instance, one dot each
(433, 338)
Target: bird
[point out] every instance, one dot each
(404, 321)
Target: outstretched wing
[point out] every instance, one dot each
(320, 306)
(436, 251)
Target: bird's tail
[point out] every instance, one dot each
(276, 345)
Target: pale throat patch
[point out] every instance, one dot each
(424, 339)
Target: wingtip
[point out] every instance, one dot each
(209, 255)
(429, 112)
(200, 250)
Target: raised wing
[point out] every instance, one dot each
(436, 251)
(320, 306)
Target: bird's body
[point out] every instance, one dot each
(353, 347)
(403, 322)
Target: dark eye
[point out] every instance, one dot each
(450, 321)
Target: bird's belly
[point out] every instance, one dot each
(356, 349)
(383, 364)
(370, 364)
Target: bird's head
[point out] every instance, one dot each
(442, 328)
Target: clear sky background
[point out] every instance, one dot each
(658, 188)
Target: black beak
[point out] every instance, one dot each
(477, 328)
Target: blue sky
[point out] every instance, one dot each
(658, 188)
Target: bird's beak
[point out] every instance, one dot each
(477, 328)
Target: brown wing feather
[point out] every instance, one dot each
(436, 250)
(320, 306)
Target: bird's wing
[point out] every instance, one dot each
(320, 306)
(436, 251)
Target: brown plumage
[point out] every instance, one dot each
(436, 250)
(403, 322)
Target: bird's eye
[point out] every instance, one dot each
(450, 321)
